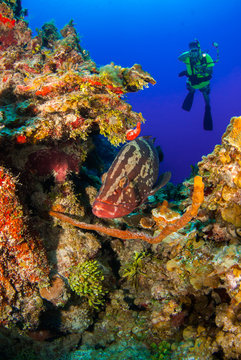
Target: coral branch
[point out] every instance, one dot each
(197, 199)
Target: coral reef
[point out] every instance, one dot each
(72, 284)
(86, 280)
(122, 350)
(52, 90)
(23, 266)
(222, 176)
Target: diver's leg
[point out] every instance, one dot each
(206, 91)
(187, 103)
(207, 120)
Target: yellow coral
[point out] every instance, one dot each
(233, 133)
(172, 265)
(237, 297)
(163, 215)
(228, 193)
(232, 214)
(237, 179)
(224, 157)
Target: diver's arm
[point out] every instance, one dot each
(183, 73)
(183, 57)
(204, 69)
(208, 66)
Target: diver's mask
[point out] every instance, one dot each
(195, 50)
(194, 53)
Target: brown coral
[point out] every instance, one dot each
(56, 293)
(221, 171)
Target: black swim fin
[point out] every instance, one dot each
(187, 103)
(207, 120)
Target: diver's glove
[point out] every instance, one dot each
(183, 73)
(207, 78)
(194, 80)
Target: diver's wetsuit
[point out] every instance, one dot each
(198, 79)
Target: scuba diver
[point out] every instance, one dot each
(199, 68)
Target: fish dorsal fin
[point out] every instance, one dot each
(103, 177)
(162, 181)
(148, 138)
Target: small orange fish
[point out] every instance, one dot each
(21, 139)
(133, 133)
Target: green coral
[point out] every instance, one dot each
(49, 34)
(162, 351)
(111, 74)
(114, 122)
(111, 125)
(133, 269)
(27, 354)
(86, 280)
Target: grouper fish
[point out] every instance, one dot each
(131, 178)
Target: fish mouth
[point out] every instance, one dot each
(107, 210)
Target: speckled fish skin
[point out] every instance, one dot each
(130, 179)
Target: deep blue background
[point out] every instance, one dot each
(153, 33)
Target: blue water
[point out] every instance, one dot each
(153, 33)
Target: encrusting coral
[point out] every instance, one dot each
(23, 264)
(221, 171)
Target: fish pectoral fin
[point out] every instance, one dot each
(103, 177)
(162, 181)
(124, 182)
